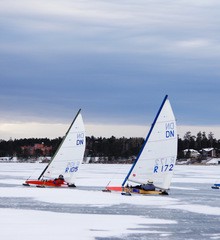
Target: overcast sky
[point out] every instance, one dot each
(114, 59)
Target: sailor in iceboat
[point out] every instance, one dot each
(147, 187)
(142, 188)
(59, 181)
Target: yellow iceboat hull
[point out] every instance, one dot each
(148, 192)
(135, 190)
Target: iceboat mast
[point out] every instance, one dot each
(149, 133)
(59, 145)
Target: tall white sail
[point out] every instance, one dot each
(157, 158)
(69, 155)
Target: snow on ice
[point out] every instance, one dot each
(191, 211)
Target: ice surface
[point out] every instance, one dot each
(30, 224)
(191, 211)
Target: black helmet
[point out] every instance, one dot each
(60, 176)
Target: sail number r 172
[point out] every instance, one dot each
(164, 165)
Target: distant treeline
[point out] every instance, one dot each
(112, 147)
(198, 142)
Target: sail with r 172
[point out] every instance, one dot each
(157, 158)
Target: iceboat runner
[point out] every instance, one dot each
(156, 160)
(67, 159)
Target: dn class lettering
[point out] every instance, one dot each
(170, 132)
(80, 139)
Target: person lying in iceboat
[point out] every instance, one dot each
(60, 180)
(147, 187)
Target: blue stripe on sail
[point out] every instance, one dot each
(152, 126)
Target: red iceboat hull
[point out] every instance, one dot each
(40, 183)
(114, 188)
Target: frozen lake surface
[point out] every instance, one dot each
(191, 211)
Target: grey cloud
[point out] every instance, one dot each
(115, 59)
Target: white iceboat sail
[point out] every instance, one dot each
(157, 157)
(69, 155)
